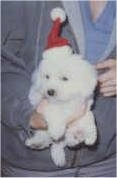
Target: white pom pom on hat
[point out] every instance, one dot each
(57, 45)
(54, 39)
(58, 13)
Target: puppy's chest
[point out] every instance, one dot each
(60, 111)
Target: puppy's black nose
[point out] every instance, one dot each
(51, 92)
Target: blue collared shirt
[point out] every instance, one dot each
(97, 34)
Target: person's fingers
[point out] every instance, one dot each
(108, 94)
(106, 64)
(109, 89)
(109, 75)
(108, 83)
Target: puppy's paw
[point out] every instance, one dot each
(91, 139)
(34, 145)
(57, 133)
(39, 141)
(74, 138)
(58, 155)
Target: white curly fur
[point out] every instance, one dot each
(69, 96)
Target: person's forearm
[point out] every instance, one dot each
(16, 107)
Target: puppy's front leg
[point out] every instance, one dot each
(56, 122)
(56, 129)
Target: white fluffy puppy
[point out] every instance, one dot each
(66, 81)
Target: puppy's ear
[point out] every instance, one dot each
(36, 76)
(89, 81)
(35, 93)
(86, 76)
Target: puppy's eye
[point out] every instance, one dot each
(64, 78)
(47, 76)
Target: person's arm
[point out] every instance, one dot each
(16, 108)
(107, 80)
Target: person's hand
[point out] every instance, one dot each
(37, 121)
(107, 80)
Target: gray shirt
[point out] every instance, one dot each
(25, 26)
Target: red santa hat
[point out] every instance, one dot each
(57, 46)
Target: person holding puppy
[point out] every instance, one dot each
(25, 26)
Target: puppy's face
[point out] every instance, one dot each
(64, 79)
